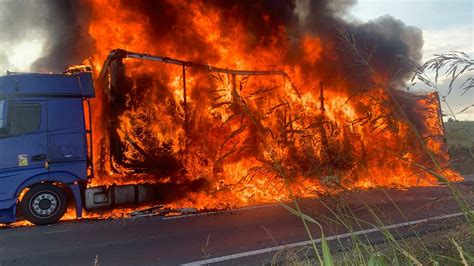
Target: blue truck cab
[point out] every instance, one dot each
(45, 153)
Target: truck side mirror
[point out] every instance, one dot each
(3, 116)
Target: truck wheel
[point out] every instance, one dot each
(44, 204)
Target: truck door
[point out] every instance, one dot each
(23, 141)
(66, 133)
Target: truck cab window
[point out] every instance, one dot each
(23, 119)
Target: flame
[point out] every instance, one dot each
(248, 145)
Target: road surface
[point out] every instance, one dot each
(249, 235)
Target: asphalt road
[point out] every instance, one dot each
(179, 240)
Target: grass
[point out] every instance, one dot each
(384, 254)
(460, 138)
(450, 244)
(460, 134)
(446, 252)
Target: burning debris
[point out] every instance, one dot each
(333, 116)
(161, 210)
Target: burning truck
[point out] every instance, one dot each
(255, 138)
(213, 130)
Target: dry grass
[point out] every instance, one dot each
(460, 134)
(440, 241)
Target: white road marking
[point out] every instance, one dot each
(59, 231)
(216, 212)
(305, 243)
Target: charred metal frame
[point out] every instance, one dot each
(116, 68)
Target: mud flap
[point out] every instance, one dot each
(76, 191)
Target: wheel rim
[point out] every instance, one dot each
(44, 204)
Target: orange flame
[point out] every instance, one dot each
(238, 139)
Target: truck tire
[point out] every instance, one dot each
(43, 204)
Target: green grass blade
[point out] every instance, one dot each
(299, 214)
(327, 257)
(377, 259)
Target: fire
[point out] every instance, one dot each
(312, 48)
(236, 146)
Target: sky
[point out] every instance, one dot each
(447, 25)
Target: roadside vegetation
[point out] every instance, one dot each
(432, 248)
(460, 138)
(448, 245)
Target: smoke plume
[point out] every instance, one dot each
(59, 28)
(64, 25)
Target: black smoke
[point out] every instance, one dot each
(390, 45)
(66, 26)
